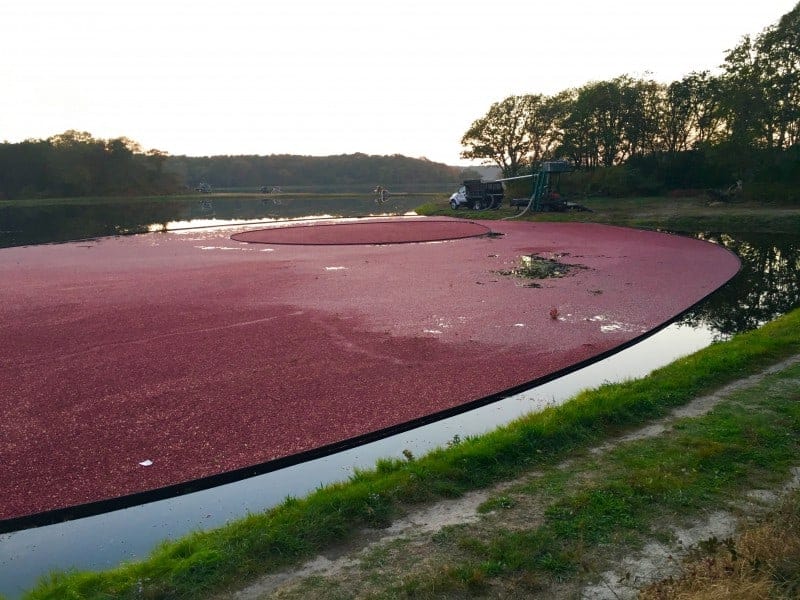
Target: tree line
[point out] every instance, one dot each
(75, 163)
(704, 128)
(348, 172)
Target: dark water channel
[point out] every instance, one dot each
(766, 287)
(37, 223)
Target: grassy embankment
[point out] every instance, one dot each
(669, 214)
(726, 450)
(561, 527)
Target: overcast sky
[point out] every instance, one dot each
(321, 77)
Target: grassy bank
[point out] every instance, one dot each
(566, 530)
(206, 561)
(750, 442)
(669, 214)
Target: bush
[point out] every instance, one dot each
(618, 181)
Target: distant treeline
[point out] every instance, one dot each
(346, 171)
(76, 164)
(636, 135)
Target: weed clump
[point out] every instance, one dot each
(762, 562)
(532, 266)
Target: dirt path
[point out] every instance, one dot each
(376, 558)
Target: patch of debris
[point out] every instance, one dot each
(533, 266)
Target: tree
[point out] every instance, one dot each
(701, 130)
(707, 121)
(546, 124)
(74, 163)
(677, 117)
(23, 168)
(596, 124)
(643, 106)
(762, 86)
(502, 137)
(780, 47)
(75, 159)
(743, 101)
(691, 113)
(518, 132)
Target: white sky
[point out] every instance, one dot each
(320, 77)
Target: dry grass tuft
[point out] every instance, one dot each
(762, 562)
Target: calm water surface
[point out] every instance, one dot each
(77, 219)
(766, 287)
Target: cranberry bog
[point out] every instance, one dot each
(139, 367)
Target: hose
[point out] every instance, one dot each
(527, 208)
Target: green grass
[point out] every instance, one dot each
(669, 214)
(750, 441)
(211, 560)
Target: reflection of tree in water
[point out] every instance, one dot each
(74, 221)
(766, 287)
(84, 218)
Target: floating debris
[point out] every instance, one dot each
(537, 267)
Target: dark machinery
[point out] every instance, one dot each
(478, 195)
(544, 195)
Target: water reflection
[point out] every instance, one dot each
(766, 287)
(33, 223)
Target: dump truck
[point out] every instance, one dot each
(478, 195)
